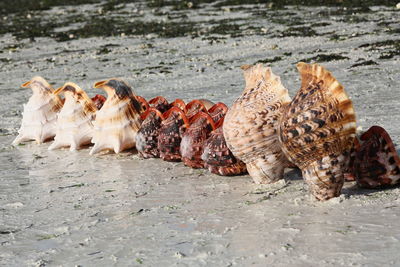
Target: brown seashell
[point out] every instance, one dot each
(170, 134)
(75, 119)
(250, 124)
(197, 105)
(180, 104)
(147, 136)
(99, 100)
(376, 163)
(40, 113)
(217, 157)
(193, 139)
(218, 111)
(143, 102)
(118, 121)
(160, 103)
(317, 130)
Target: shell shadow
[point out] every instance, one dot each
(293, 174)
(355, 190)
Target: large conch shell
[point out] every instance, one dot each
(317, 131)
(250, 124)
(74, 122)
(376, 163)
(40, 113)
(118, 121)
(192, 143)
(217, 157)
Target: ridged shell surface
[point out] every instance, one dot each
(75, 120)
(217, 157)
(147, 136)
(317, 130)
(376, 163)
(118, 121)
(40, 113)
(250, 124)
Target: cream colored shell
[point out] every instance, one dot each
(75, 120)
(40, 113)
(250, 124)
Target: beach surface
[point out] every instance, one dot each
(62, 208)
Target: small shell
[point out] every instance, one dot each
(197, 105)
(218, 111)
(118, 121)
(170, 135)
(98, 101)
(376, 163)
(143, 102)
(193, 139)
(160, 103)
(250, 124)
(40, 113)
(74, 122)
(147, 136)
(317, 131)
(218, 159)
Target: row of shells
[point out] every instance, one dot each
(263, 132)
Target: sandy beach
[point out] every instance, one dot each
(62, 208)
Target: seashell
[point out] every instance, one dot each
(376, 163)
(218, 111)
(193, 139)
(147, 136)
(317, 130)
(74, 122)
(170, 135)
(197, 105)
(98, 101)
(118, 121)
(143, 102)
(40, 113)
(217, 157)
(250, 124)
(160, 103)
(180, 104)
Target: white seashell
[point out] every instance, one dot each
(118, 121)
(40, 113)
(75, 120)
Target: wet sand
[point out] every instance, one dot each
(64, 208)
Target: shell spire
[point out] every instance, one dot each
(74, 122)
(40, 113)
(317, 130)
(250, 124)
(118, 121)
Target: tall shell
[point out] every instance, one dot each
(376, 163)
(40, 113)
(250, 124)
(217, 157)
(74, 122)
(193, 139)
(317, 130)
(170, 135)
(118, 121)
(147, 136)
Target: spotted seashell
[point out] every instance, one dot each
(193, 139)
(147, 136)
(218, 111)
(40, 113)
(197, 105)
(74, 122)
(160, 103)
(98, 101)
(317, 130)
(118, 121)
(376, 163)
(170, 135)
(180, 104)
(217, 157)
(250, 124)
(142, 102)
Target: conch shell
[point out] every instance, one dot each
(250, 124)
(197, 105)
(376, 163)
(170, 134)
(118, 121)
(193, 139)
(147, 136)
(40, 113)
(218, 111)
(218, 159)
(160, 103)
(74, 122)
(317, 130)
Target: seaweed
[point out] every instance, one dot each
(325, 58)
(364, 63)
